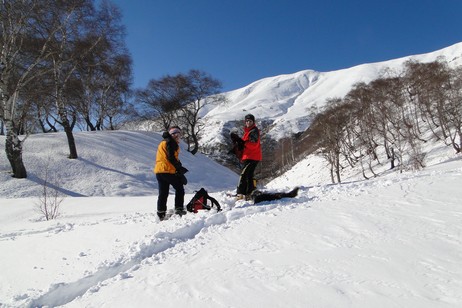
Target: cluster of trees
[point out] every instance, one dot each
(61, 63)
(391, 116)
(178, 100)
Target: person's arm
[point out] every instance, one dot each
(172, 146)
(237, 141)
(254, 135)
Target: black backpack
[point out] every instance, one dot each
(199, 202)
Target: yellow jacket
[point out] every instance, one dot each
(167, 157)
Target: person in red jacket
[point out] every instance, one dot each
(251, 154)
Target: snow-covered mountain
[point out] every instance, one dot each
(286, 100)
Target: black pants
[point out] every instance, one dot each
(165, 180)
(246, 184)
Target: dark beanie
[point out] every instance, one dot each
(250, 117)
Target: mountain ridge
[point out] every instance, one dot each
(285, 100)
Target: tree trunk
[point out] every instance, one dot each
(337, 168)
(111, 125)
(52, 126)
(68, 130)
(66, 124)
(89, 124)
(13, 149)
(70, 140)
(196, 145)
(13, 145)
(392, 159)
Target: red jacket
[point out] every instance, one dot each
(252, 146)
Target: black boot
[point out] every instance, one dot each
(291, 194)
(161, 215)
(180, 212)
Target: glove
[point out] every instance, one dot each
(183, 178)
(237, 141)
(180, 173)
(234, 137)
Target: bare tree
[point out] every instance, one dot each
(47, 40)
(23, 50)
(181, 98)
(49, 202)
(454, 109)
(361, 129)
(330, 126)
(162, 99)
(203, 90)
(79, 35)
(103, 91)
(105, 74)
(436, 90)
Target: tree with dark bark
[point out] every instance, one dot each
(23, 51)
(180, 99)
(162, 99)
(45, 41)
(203, 90)
(330, 126)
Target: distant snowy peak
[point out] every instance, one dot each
(453, 55)
(286, 100)
(268, 98)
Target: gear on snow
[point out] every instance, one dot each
(199, 202)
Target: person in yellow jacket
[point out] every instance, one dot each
(169, 171)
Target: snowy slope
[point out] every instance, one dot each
(114, 163)
(393, 241)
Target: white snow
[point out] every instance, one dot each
(391, 241)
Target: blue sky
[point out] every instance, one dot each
(241, 41)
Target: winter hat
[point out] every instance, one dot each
(174, 130)
(250, 117)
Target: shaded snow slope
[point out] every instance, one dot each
(110, 163)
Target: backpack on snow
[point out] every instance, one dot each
(199, 202)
